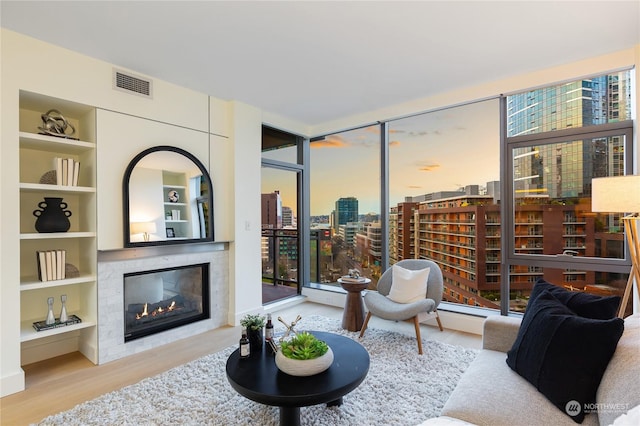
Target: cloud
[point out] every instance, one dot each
(414, 186)
(394, 143)
(428, 167)
(332, 141)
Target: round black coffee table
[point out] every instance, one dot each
(259, 379)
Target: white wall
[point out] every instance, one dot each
(11, 375)
(245, 272)
(47, 69)
(120, 138)
(221, 149)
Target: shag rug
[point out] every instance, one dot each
(401, 388)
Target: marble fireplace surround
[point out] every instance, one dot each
(113, 264)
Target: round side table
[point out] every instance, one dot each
(353, 316)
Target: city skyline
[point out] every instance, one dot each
(438, 151)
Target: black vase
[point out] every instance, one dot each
(255, 340)
(52, 216)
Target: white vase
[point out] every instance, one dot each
(307, 367)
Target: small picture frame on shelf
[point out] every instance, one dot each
(170, 233)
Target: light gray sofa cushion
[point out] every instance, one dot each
(490, 393)
(619, 390)
(499, 333)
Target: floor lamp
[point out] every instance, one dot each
(621, 194)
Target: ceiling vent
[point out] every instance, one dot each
(129, 83)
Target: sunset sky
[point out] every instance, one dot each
(438, 151)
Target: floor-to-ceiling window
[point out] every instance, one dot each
(345, 205)
(558, 139)
(281, 177)
(444, 196)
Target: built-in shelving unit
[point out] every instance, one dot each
(181, 225)
(37, 157)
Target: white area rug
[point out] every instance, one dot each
(401, 388)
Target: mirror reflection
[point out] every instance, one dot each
(167, 199)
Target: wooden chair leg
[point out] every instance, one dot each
(416, 322)
(364, 325)
(439, 323)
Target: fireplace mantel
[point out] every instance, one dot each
(152, 251)
(114, 264)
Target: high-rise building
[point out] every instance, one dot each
(576, 104)
(348, 232)
(346, 211)
(462, 235)
(402, 232)
(565, 169)
(279, 246)
(288, 218)
(271, 210)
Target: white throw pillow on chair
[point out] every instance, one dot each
(408, 286)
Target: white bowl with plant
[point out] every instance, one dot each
(304, 355)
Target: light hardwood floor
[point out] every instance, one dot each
(60, 383)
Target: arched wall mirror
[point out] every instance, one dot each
(168, 199)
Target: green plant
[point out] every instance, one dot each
(303, 346)
(252, 322)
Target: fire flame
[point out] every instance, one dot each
(157, 311)
(144, 312)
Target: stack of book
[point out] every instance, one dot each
(67, 171)
(51, 265)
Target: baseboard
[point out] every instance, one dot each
(12, 383)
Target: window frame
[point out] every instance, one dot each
(302, 177)
(560, 261)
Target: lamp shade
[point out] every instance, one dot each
(616, 194)
(143, 227)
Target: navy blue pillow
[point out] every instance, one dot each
(584, 304)
(562, 354)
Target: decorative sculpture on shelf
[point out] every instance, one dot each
(54, 124)
(63, 312)
(52, 215)
(51, 319)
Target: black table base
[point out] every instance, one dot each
(289, 416)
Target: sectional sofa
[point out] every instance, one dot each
(492, 393)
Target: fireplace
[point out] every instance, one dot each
(162, 299)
